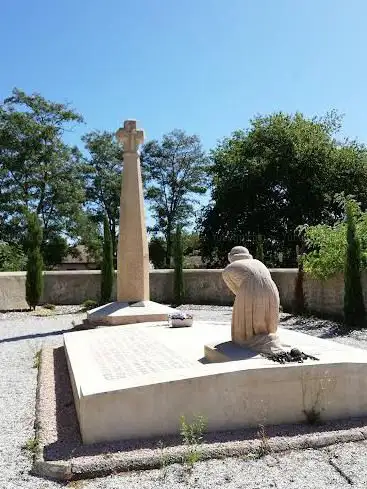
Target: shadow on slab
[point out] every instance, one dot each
(108, 309)
(235, 352)
(69, 445)
(112, 307)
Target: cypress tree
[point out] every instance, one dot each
(178, 273)
(34, 278)
(299, 305)
(107, 270)
(354, 310)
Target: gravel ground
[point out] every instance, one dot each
(23, 334)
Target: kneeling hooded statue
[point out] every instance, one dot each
(255, 314)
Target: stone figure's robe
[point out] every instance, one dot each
(256, 307)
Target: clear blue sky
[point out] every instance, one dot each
(205, 66)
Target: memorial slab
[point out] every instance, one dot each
(135, 381)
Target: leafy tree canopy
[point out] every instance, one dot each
(103, 168)
(284, 171)
(174, 172)
(12, 258)
(38, 171)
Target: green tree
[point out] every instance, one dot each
(174, 172)
(39, 173)
(34, 278)
(12, 258)
(103, 172)
(54, 249)
(178, 272)
(107, 270)
(157, 252)
(190, 242)
(284, 171)
(91, 237)
(354, 310)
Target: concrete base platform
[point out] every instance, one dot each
(118, 313)
(136, 381)
(62, 455)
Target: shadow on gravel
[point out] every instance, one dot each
(35, 335)
(68, 444)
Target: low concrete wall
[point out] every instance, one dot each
(201, 287)
(285, 279)
(65, 287)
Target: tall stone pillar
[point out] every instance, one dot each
(133, 254)
(133, 304)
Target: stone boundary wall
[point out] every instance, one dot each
(201, 287)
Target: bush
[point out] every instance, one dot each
(327, 245)
(89, 304)
(34, 278)
(354, 311)
(107, 269)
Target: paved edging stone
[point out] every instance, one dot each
(60, 470)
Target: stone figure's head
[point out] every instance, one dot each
(238, 253)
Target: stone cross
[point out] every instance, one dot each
(133, 254)
(130, 136)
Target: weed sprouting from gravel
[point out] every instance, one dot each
(32, 445)
(163, 459)
(37, 359)
(192, 435)
(264, 448)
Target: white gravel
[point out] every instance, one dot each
(23, 334)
